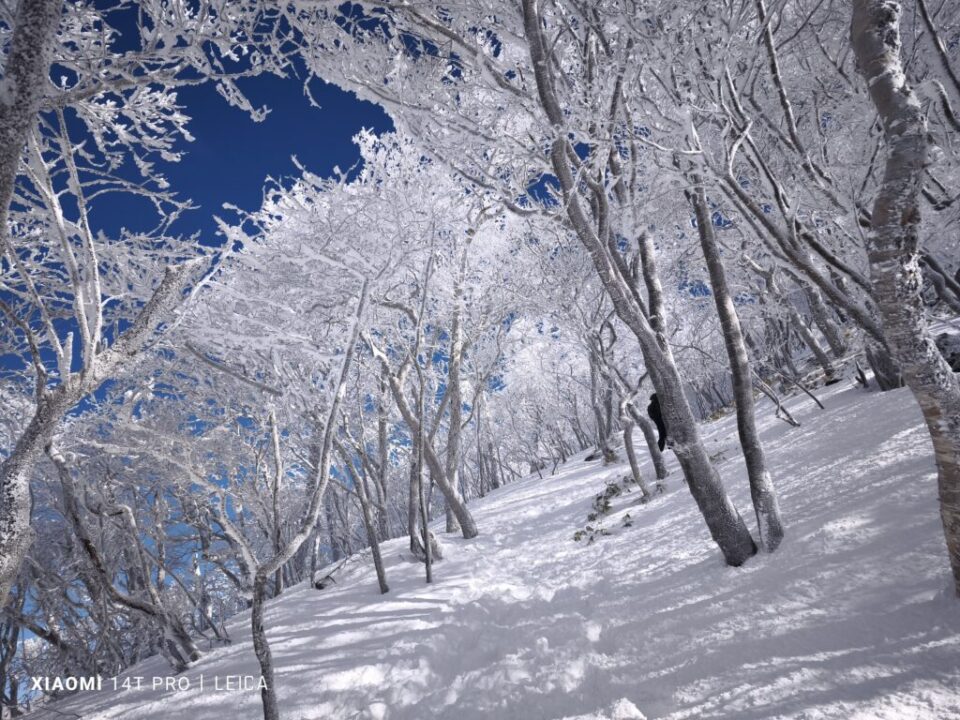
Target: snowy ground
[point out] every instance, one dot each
(851, 619)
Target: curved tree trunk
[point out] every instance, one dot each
(451, 524)
(15, 531)
(26, 69)
(26, 75)
(893, 250)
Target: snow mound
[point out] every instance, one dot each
(622, 709)
(851, 618)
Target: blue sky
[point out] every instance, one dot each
(232, 155)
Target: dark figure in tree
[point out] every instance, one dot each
(653, 410)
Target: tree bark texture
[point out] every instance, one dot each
(893, 245)
(762, 492)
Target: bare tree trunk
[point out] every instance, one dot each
(823, 360)
(496, 481)
(483, 482)
(421, 497)
(26, 72)
(321, 456)
(886, 370)
(783, 302)
(425, 538)
(369, 524)
(15, 531)
(336, 551)
(821, 316)
(26, 76)
(651, 438)
(761, 484)
(275, 501)
(632, 457)
(413, 494)
(454, 366)
(468, 527)
(725, 523)
(602, 434)
(383, 459)
(451, 524)
(893, 250)
(261, 647)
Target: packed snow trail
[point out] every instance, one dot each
(852, 618)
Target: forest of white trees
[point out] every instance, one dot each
(582, 203)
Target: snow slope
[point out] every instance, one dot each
(852, 618)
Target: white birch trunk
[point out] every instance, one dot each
(893, 250)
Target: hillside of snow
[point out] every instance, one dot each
(852, 618)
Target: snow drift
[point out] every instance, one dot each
(853, 617)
